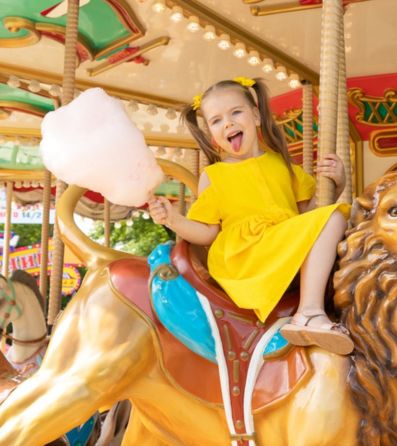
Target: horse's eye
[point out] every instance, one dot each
(392, 211)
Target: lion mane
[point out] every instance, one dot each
(366, 296)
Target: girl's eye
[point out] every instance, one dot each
(235, 112)
(215, 121)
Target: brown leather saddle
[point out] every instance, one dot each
(240, 331)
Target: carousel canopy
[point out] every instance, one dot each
(156, 55)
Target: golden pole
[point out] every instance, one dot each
(7, 230)
(106, 220)
(307, 127)
(68, 87)
(342, 136)
(45, 223)
(332, 14)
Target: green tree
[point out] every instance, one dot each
(139, 235)
(28, 234)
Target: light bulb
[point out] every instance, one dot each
(239, 50)
(13, 81)
(294, 81)
(176, 14)
(267, 66)
(224, 42)
(193, 25)
(209, 33)
(151, 110)
(253, 58)
(159, 6)
(281, 73)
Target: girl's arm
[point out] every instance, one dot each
(331, 166)
(162, 212)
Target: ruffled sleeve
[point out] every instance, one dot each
(205, 209)
(304, 185)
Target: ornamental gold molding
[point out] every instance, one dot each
(16, 24)
(108, 64)
(6, 106)
(375, 110)
(375, 142)
(292, 125)
(282, 8)
(121, 93)
(12, 133)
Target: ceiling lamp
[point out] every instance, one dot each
(13, 81)
(55, 91)
(267, 66)
(170, 114)
(34, 86)
(176, 14)
(194, 24)
(159, 6)
(133, 106)
(253, 58)
(294, 81)
(239, 50)
(151, 110)
(224, 42)
(281, 73)
(209, 33)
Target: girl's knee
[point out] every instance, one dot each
(338, 221)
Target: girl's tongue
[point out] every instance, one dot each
(236, 141)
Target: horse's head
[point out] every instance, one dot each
(10, 310)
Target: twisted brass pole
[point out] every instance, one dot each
(7, 230)
(342, 136)
(308, 127)
(68, 88)
(45, 223)
(332, 14)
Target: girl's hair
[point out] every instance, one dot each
(272, 135)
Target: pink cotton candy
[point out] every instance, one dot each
(92, 143)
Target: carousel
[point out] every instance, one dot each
(151, 351)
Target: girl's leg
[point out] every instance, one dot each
(317, 267)
(310, 325)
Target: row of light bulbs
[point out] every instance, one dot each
(56, 91)
(224, 43)
(151, 109)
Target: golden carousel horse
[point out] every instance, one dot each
(23, 308)
(110, 345)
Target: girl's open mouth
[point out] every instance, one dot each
(236, 140)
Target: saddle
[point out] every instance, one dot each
(242, 338)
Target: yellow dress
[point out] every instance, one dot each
(263, 239)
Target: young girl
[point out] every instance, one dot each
(257, 211)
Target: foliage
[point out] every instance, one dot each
(28, 234)
(138, 236)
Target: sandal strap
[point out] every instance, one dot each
(312, 316)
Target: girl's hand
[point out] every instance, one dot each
(161, 211)
(331, 166)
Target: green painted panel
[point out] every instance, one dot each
(98, 22)
(15, 94)
(20, 157)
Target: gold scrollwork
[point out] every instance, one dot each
(375, 144)
(15, 25)
(382, 109)
(4, 114)
(20, 106)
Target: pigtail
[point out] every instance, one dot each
(189, 118)
(272, 134)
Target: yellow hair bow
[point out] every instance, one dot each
(196, 104)
(244, 81)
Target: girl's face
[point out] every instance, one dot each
(232, 122)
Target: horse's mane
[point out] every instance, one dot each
(366, 293)
(26, 279)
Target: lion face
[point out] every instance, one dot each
(385, 220)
